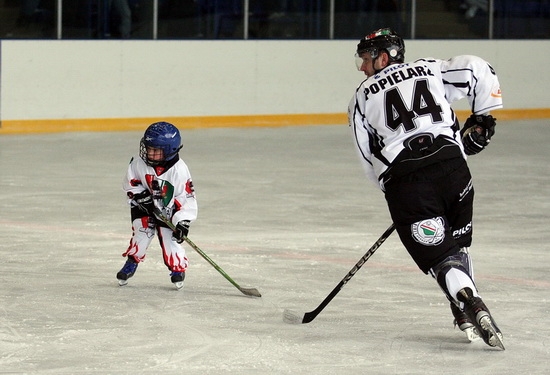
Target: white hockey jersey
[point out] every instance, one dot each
(405, 100)
(174, 188)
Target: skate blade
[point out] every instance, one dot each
(471, 334)
(122, 282)
(178, 285)
(495, 337)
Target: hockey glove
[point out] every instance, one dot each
(477, 132)
(182, 230)
(144, 201)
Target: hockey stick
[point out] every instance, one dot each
(292, 317)
(246, 291)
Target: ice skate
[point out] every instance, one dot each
(127, 271)
(177, 278)
(464, 323)
(481, 317)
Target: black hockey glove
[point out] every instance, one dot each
(182, 230)
(144, 201)
(477, 132)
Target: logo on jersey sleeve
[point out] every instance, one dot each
(189, 189)
(135, 182)
(430, 232)
(496, 93)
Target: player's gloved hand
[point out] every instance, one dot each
(477, 132)
(182, 230)
(144, 201)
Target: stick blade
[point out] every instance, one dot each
(292, 317)
(253, 292)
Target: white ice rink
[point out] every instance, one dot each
(285, 210)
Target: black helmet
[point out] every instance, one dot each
(383, 40)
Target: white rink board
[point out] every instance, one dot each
(133, 79)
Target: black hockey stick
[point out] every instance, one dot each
(295, 318)
(246, 291)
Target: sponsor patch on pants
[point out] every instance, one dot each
(430, 232)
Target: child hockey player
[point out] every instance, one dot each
(159, 179)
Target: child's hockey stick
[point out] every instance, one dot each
(246, 291)
(295, 318)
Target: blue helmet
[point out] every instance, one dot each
(160, 135)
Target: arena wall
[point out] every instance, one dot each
(90, 85)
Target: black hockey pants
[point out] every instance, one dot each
(432, 209)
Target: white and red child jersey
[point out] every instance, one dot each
(175, 188)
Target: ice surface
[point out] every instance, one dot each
(284, 210)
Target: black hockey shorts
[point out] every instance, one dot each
(432, 209)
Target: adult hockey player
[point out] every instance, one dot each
(158, 178)
(410, 145)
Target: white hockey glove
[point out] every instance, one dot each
(477, 132)
(182, 230)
